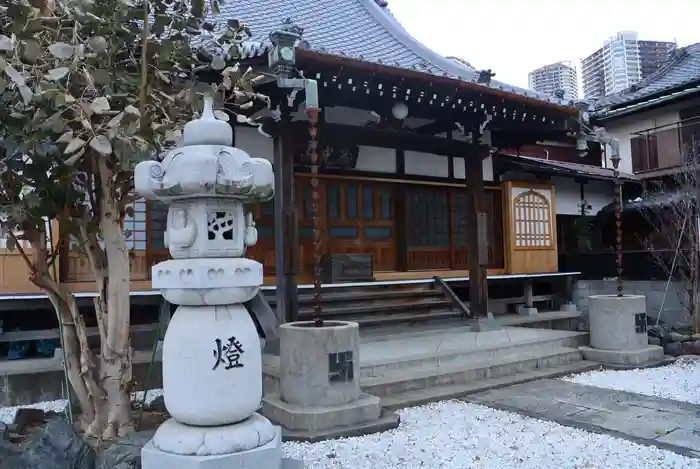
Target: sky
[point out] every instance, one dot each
(513, 37)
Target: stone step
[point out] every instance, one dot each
(446, 349)
(468, 370)
(379, 307)
(455, 391)
(364, 295)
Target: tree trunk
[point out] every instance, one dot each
(79, 360)
(116, 353)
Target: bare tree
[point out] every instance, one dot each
(670, 207)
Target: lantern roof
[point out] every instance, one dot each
(358, 29)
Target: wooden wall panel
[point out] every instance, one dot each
(531, 238)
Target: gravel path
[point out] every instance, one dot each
(679, 381)
(458, 435)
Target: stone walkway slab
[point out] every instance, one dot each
(666, 424)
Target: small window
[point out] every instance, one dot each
(349, 232)
(351, 204)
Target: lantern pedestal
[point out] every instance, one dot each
(618, 332)
(320, 394)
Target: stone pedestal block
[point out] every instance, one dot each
(618, 322)
(319, 366)
(618, 331)
(268, 456)
(523, 310)
(319, 386)
(487, 324)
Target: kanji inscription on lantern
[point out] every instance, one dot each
(228, 353)
(340, 367)
(640, 323)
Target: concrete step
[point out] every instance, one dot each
(455, 391)
(379, 307)
(467, 370)
(446, 349)
(365, 295)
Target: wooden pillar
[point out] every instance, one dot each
(477, 231)
(400, 215)
(529, 302)
(286, 228)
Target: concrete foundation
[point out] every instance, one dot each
(487, 324)
(523, 310)
(618, 331)
(648, 355)
(294, 417)
(319, 384)
(264, 457)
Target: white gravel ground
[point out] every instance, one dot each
(679, 381)
(458, 435)
(7, 414)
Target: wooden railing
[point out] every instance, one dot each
(665, 146)
(463, 309)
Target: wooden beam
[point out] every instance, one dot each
(477, 233)
(286, 227)
(433, 128)
(392, 139)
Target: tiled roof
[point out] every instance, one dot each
(358, 29)
(682, 69)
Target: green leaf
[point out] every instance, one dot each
(218, 63)
(74, 145)
(5, 43)
(100, 105)
(66, 137)
(31, 50)
(98, 44)
(61, 50)
(115, 121)
(26, 93)
(57, 74)
(132, 110)
(75, 158)
(101, 145)
(221, 115)
(99, 77)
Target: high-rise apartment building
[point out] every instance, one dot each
(622, 61)
(552, 78)
(592, 75)
(653, 54)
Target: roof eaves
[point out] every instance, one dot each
(651, 100)
(572, 169)
(425, 76)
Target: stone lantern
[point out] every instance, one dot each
(212, 361)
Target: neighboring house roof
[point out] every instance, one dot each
(359, 29)
(680, 75)
(567, 168)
